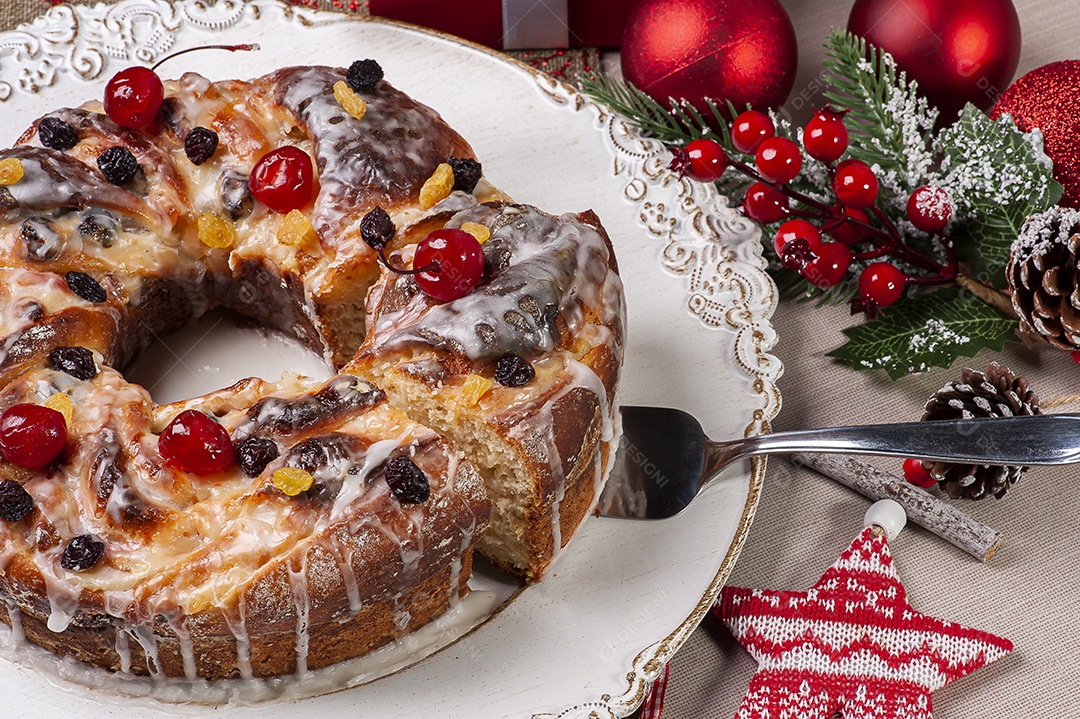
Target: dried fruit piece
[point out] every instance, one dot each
(480, 232)
(200, 145)
(292, 480)
(475, 387)
(32, 436)
(513, 371)
(215, 231)
(75, 361)
(15, 502)
(407, 482)
(377, 229)
(349, 100)
(467, 173)
(56, 134)
(254, 453)
(62, 404)
(437, 187)
(118, 165)
(196, 443)
(82, 553)
(85, 286)
(11, 171)
(294, 229)
(364, 75)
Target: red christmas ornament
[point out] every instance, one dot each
(1048, 98)
(742, 51)
(959, 51)
(852, 645)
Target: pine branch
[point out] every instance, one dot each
(641, 111)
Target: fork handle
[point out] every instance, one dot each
(1040, 440)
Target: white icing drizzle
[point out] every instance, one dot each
(178, 623)
(144, 635)
(15, 637)
(298, 581)
(237, 623)
(123, 648)
(343, 557)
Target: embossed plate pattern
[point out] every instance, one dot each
(625, 595)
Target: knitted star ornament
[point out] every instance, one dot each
(851, 646)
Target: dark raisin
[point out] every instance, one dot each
(407, 481)
(377, 229)
(364, 75)
(99, 227)
(42, 242)
(200, 145)
(76, 361)
(56, 134)
(513, 371)
(118, 165)
(15, 502)
(235, 194)
(254, 453)
(467, 172)
(82, 553)
(85, 286)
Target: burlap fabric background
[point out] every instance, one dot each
(1027, 593)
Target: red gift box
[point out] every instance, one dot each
(569, 23)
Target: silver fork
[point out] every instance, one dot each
(665, 459)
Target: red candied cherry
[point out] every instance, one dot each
(929, 209)
(829, 267)
(915, 473)
(750, 129)
(825, 137)
(133, 97)
(193, 442)
(32, 436)
(707, 160)
(847, 232)
(449, 264)
(764, 204)
(283, 179)
(778, 160)
(855, 184)
(881, 284)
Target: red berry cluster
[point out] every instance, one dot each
(820, 240)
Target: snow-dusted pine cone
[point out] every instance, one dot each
(997, 393)
(1043, 276)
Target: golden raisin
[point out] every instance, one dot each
(15, 473)
(292, 480)
(11, 171)
(349, 100)
(215, 231)
(62, 404)
(480, 232)
(294, 229)
(437, 187)
(474, 388)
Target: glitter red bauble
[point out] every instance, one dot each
(742, 51)
(959, 51)
(1048, 98)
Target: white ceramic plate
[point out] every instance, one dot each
(624, 595)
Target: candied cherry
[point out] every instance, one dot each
(829, 267)
(793, 230)
(449, 264)
(825, 137)
(915, 473)
(847, 232)
(881, 284)
(778, 160)
(283, 179)
(929, 209)
(193, 442)
(32, 436)
(706, 160)
(855, 184)
(764, 204)
(750, 129)
(133, 97)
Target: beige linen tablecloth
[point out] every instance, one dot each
(1026, 593)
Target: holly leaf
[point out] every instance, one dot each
(928, 331)
(998, 177)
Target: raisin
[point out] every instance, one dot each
(118, 165)
(75, 361)
(15, 502)
(235, 195)
(513, 371)
(377, 229)
(200, 145)
(82, 553)
(85, 286)
(42, 242)
(56, 134)
(99, 227)
(407, 481)
(467, 172)
(254, 453)
(364, 75)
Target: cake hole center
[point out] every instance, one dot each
(216, 351)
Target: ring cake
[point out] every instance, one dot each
(270, 528)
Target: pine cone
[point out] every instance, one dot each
(1042, 274)
(998, 393)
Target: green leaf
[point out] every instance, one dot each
(928, 331)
